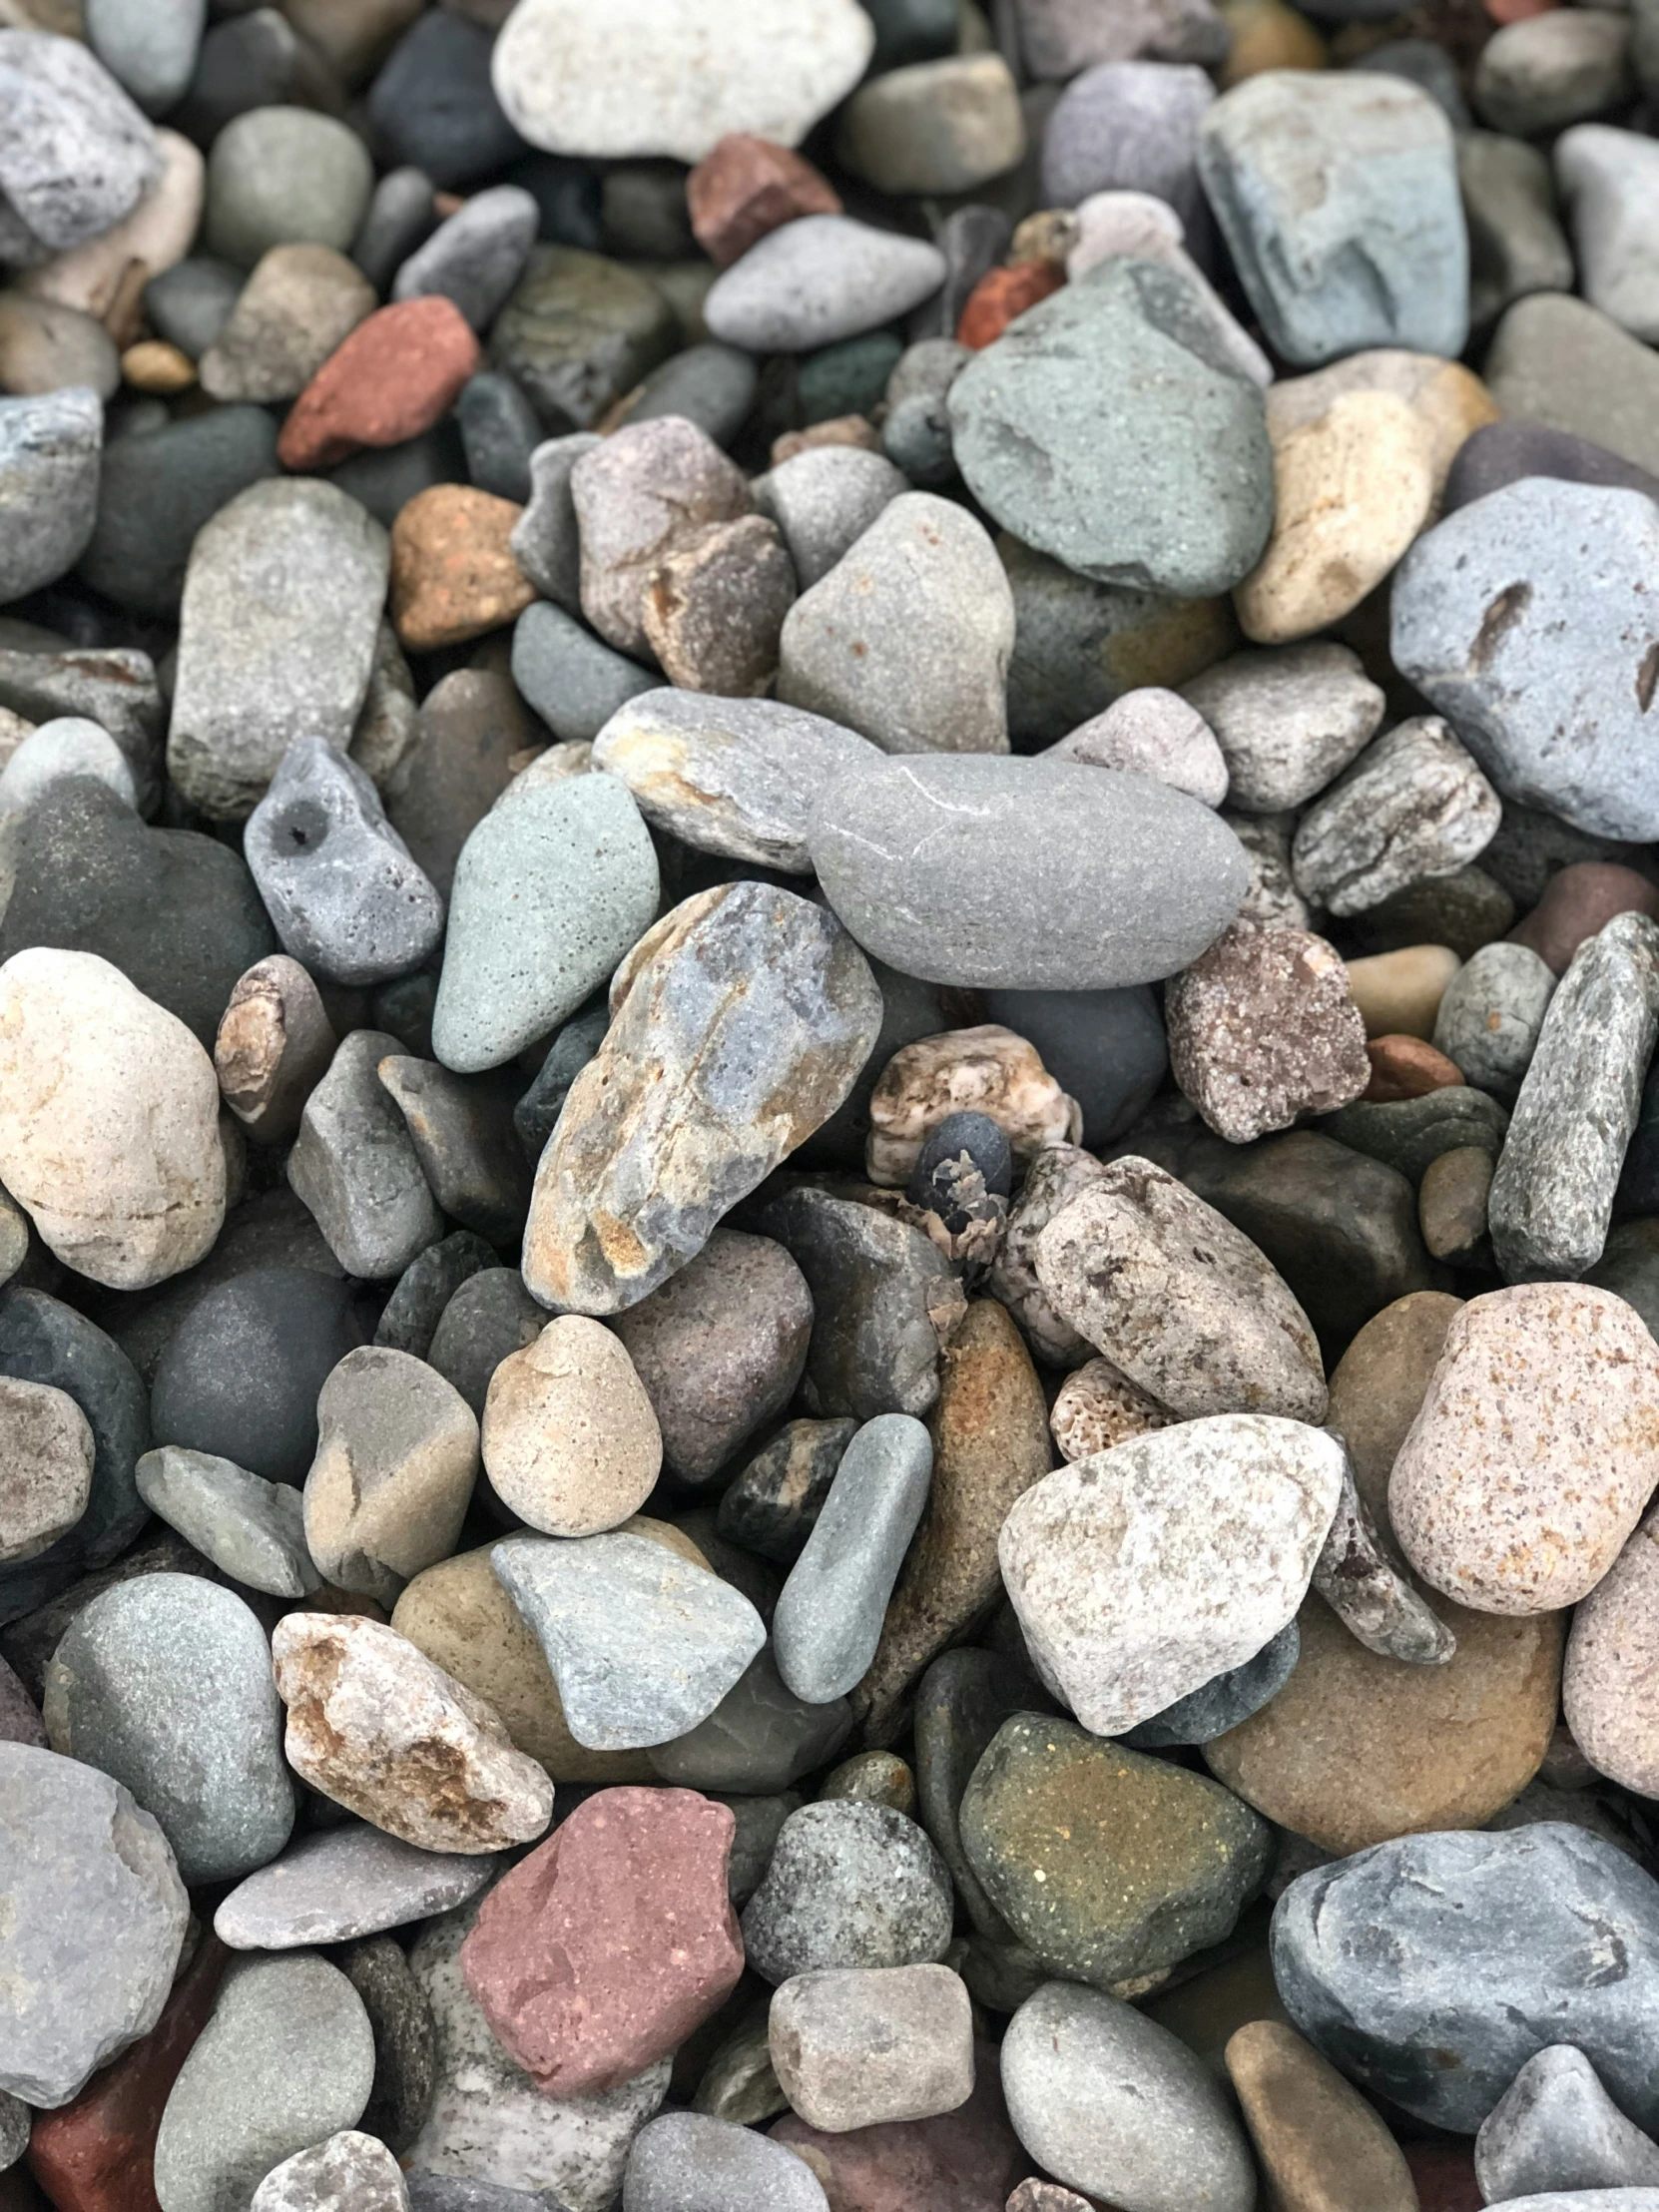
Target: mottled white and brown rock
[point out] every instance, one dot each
(1413, 805)
(376, 1726)
(1056, 1175)
(1096, 1407)
(570, 1440)
(638, 496)
(45, 1467)
(274, 1048)
(985, 1071)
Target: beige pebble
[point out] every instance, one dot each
(985, 1071)
(1378, 1387)
(155, 366)
(274, 1048)
(1400, 993)
(299, 305)
(45, 1467)
(1610, 1691)
(570, 1439)
(1451, 1204)
(855, 2046)
(1056, 1175)
(109, 1120)
(1448, 401)
(1536, 1450)
(1097, 1407)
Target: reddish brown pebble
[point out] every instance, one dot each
(747, 187)
(1578, 903)
(1405, 1067)
(398, 372)
(602, 1950)
(94, 2155)
(1002, 293)
(1443, 2175)
(453, 575)
(963, 2162)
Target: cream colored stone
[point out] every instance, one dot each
(1097, 1407)
(570, 1439)
(1352, 490)
(160, 231)
(274, 1048)
(109, 1120)
(1399, 993)
(1449, 401)
(45, 1467)
(1610, 1691)
(986, 1070)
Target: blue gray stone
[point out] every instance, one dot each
(545, 540)
(1489, 1019)
(567, 675)
(711, 384)
(1556, 2129)
(817, 279)
(851, 1884)
(824, 500)
(253, 1530)
(689, 2162)
(1222, 1703)
(49, 455)
(190, 303)
(499, 433)
(148, 45)
(155, 492)
(77, 154)
(1106, 1049)
(476, 256)
(343, 1883)
(1131, 127)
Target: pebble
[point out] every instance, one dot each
(476, 256)
(286, 2059)
(1607, 178)
(1412, 805)
(817, 281)
(1288, 720)
(499, 432)
(1556, 2129)
(692, 2162)
(578, 334)
(850, 1885)
(1316, 2137)
(49, 1448)
(250, 1529)
(570, 1440)
(453, 577)
(773, 1502)
(281, 175)
(299, 305)
(1096, 1407)
(156, 492)
(49, 466)
(575, 683)
(349, 2172)
(861, 2046)
(824, 500)
(405, 2040)
(1578, 901)
(489, 1316)
(82, 1995)
(761, 1737)
(1227, 1699)
(1152, 732)
(1130, 126)
(374, 1726)
(1538, 76)
(1551, 351)
(357, 1169)
(46, 347)
(79, 154)
(398, 372)
(1490, 1015)
(946, 126)
(344, 1882)
(466, 1141)
(1399, 993)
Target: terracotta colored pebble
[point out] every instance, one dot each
(602, 1950)
(1406, 1067)
(453, 576)
(398, 372)
(94, 2153)
(747, 186)
(1000, 296)
(1578, 902)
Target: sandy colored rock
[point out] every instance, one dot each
(299, 305)
(570, 1440)
(1262, 1030)
(453, 576)
(1401, 992)
(1096, 1407)
(46, 1452)
(637, 495)
(1322, 2146)
(984, 1070)
(1378, 1387)
(397, 375)
(1449, 401)
(1536, 1450)
(1055, 1177)
(274, 1048)
(155, 366)
(1613, 1665)
(1355, 1747)
(109, 1121)
(376, 1726)
(744, 188)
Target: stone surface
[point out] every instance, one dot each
(1399, 993)
(637, 496)
(343, 1883)
(80, 154)
(570, 1440)
(396, 372)
(1606, 177)
(945, 126)
(1412, 805)
(1490, 1015)
(49, 468)
(987, 1075)
(298, 305)
(1578, 901)
(284, 174)
(48, 1458)
(824, 500)
(1096, 1407)
(1319, 2141)
(453, 576)
(1375, 1602)
(695, 2162)
(1539, 75)
(850, 1885)
(746, 186)
(1131, 126)
(476, 256)
(859, 2048)
(817, 279)
(1223, 1702)
(1556, 2129)
(1288, 720)
(579, 332)
(253, 1529)
(759, 1737)
(1153, 731)
(1608, 1665)
(1558, 361)
(357, 1169)
(771, 1506)
(349, 2172)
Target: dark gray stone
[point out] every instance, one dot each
(772, 1504)
(155, 492)
(433, 106)
(1503, 454)
(1220, 1704)
(463, 1135)
(474, 259)
(1105, 1048)
(401, 216)
(1408, 1133)
(491, 1317)
(850, 1885)
(575, 1045)
(710, 384)
(405, 2040)
(961, 1702)
(578, 334)
(253, 59)
(425, 1289)
(385, 478)
(758, 1740)
(499, 432)
(545, 540)
(190, 303)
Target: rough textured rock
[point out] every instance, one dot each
(850, 1885)
(1490, 1015)
(986, 1071)
(49, 466)
(1262, 1030)
(273, 1048)
(1412, 805)
(698, 2162)
(1373, 1602)
(46, 1449)
(357, 1169)
(1287, 718)
(859, 2048)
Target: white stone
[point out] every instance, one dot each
(45, 1467)
(350, 2172)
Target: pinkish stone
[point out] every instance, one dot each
(962, 2161)
(601, 1951)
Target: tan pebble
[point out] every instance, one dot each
(1452, 1203)
(1448, 401)
(1058, 1174)
(876, 1778)
(297, 306)
(1097, 1407)
(274, 1048)
(851, 429)
(570, 1440)
(1047, 235)
(155, 366)
(986, 1070)
(1613, 1672)
(453, 576)
(1265, 34)
(1322, 2146)
(45, 1467)
(714, 609)
(1377, 1388)
(1401, 992)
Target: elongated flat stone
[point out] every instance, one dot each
(346, 1882)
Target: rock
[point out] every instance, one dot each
(572, 679)
(1111, 2103)
(1445, 401)
(1223, 1702)
(771, 1506)
(287, 2059)
(638, 496)
(356, 1167)
(1377, 1605)
(349, 2170)
(1153, 731)
(595, 1956)
(759, 1738)
(1292, 239)
(745, 187)
(84, 1992)
(1553, 1193)
(344, 1882)
(1605, 176)
(1203, 507)
(1097, 1407)
(942, 126)
(961, 1179)
(405, 2040)
(1288, 720)
(252, 1529)
(578, 334)
(1405, 1067)
(985, 1073)
(1453, 1205)
(1464, 911)
(79, 154)
(300, 303)
(1316, 2137)
(1578, 902)
(1556, 2129)
(397, 375)
(1503, 452)
(691, 2162)
(489, 1318)
(255, 669)
(48, 1453)
(961, 2161)
(592, 1243)
(280, 176)
(49, 466)
(469, 727)
(817, 281)
(468, 1149)
(376, 1727)
(453, 577)
(850, 1885)
(824, 500)
(1412, 805)
(1490, 1016)
(856, 2047)
(1558, 362)
(551, 891)
(545, 540)
(570, 1440)
(476, 256)
(156, 492)
(1104, 1631)
(1059, 36)
(1131, 126)
(1462, 1890)
(1540, 76)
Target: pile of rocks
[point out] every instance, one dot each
(829, 1136)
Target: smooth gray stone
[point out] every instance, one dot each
(1608, 179)
(468, 1149)
(1553, 1193)
(1105, 1048)
(499, 432)
(1410, 1133)
(817, 279)
(155, 492)
(710, 384)
(568, 676)
(383, 479)
(758, 1739)
(355, 1166)
(347, 898)
(1537, 77)
(539, 1109)
(1500, 454)
(190, 303)
(1528, 614)
(759, 1820)
(1556, 2129)
(76, 154)
(1422, 63)
(1109, 427)
(49, 462)
(1489, 1019)
(1372, 1600)
(737, 777)
(286, 2059)
(552, 889)
(346, 1882)
(1499, 1943)
(1025, 874)
(545, 542)
(1224, 1702)
(829, 1613)
(1131, 127)
(850, 1885)
(252, 1529)
(824, 500)
(642, 1644)
(148, 45)
(282, 174)
(425, 1289)
(163, 1682)
(96, 1919)
(401, 214)
(1516, 243)
(1337, 196)
(477, 256)
(689, 2162)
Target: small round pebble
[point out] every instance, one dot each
(570, 1440)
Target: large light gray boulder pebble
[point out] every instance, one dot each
(1131, 126)
(253, 1529)
(1555, 2127)
(851, 1884)
(77, 154)
(50, 444)
(344, 1882)
(1490, 1016)
(355, 1166)
(689, 2162)
(817, 281)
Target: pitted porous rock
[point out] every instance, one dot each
(1059, 1172)
(1288, 718)
(985, 1071)
(376, 1726)
(1262, 1028)
(1369, 1595)
(1096, 1407)
(1143, 1574)
(1536, 1450)
(1413, 805)
(1179, 1300)
(739, 1024)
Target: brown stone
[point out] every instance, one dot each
(990, 1444)
(1096, 1409)
(1000, 296)
(20, 1721)
(1443, 2173)
(639, 496)
(1357, 1748)
(876, 1778)
(1207, 2011)
(1400, 993)
(714, 608)
(397, 373)
(602, 1950)
(470, 727)
(453, 575)
(962, 2161)
(747, 186)
(1378, 1387)
(94, 2155)
(1578, 902)
(1451, 1204)
(847, 430)
(1613, 1665)
(274, 1048)
(1265, 34)
(1322, 2146)
(1406, 1067)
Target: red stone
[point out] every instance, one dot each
(397, 373)
(1444, 2176)
(96, 2153)
(1578, 902)
(1406, 1067)
(747, 187)
(603, 1950)
(968, 2160)
(1000, 296)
